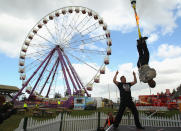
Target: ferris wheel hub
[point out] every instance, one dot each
(60, 47)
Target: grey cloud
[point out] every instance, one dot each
(24, 8)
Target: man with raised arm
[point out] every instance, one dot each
(126, 100)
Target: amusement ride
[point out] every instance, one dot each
(62, 46)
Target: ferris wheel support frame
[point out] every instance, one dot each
(52, 79)
(75, 80)
(72, 70)
(64, 73)
(51, 54)
(49, 76)
(26, 83)
(63, 61)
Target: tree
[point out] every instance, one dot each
(162, 94)
(173, 92)
(179, 89)
(105, 100)
(57, 95)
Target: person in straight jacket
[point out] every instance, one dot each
(146, 74)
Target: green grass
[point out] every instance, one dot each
(168, 113)
(89, 112)
(11, 123)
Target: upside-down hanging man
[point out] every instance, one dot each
(146, 74)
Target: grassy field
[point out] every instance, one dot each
(13, 122)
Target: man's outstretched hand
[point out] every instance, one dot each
(135, 80)
(117, 72)
(134, 73)
(114, 79)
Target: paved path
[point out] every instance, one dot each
(133, 128)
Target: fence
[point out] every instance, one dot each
(90, 123)
(148, 108)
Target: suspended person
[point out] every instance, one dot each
(126, 101)
(146, 74)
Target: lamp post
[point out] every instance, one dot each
(133, 3)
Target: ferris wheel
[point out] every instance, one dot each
(67, 49)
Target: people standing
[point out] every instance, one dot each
(126, 100)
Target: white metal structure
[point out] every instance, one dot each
(80, 33)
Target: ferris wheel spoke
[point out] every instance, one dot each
(65, 18)
(63, 34)
(32, 64)
(35, 63)
(88, 51)
(88, 41)
(85, 23)
(35, 55)
(87, 55)
(76, 26)
(40, 45)
(54, 57)
(90, 29)
(60, 33)
(71, 31)
(86, 17)
(38, 51)
(83, 62)
(57, 30)
(66, 28)
(70, 36)
(45, 39)
(36, 60)
(41, 48)
(51, 34)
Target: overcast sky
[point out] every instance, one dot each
(160, 20)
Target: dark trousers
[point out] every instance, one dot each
(133, 109)
(143, 52)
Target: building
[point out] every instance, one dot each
(7, 91)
